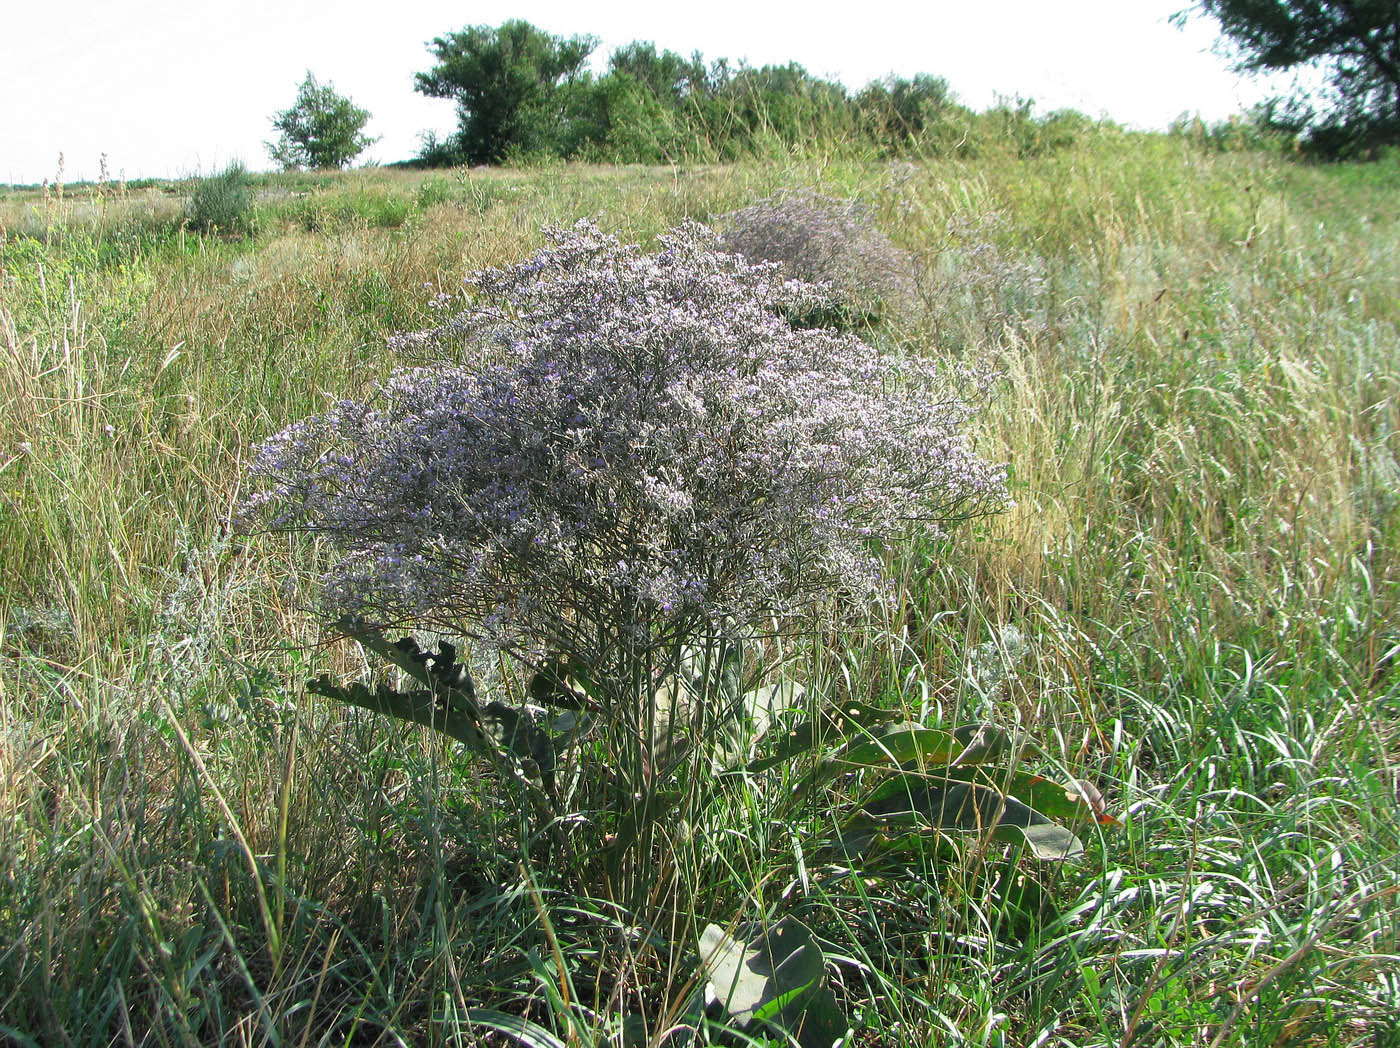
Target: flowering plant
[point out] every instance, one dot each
(621, 457)
(626, 445)
(826, 241)
(620, 461)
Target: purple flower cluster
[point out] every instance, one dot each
(625, 450)
(824, 240)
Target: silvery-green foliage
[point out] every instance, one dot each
(991, 666)
(977, 290)
(620, 452)
(825, 240)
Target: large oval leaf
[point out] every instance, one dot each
(950, 805)
(1077, 802)
(901, 744)
(774, 975)
(805, 737)
(982, 743)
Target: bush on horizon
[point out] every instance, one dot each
(222, 203)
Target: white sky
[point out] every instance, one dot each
(181, 87)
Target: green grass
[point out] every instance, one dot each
(1200, 406)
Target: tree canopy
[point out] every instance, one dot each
(1356, 43)
(321, 129)
(511, 85)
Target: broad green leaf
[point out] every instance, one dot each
(446, 702)
(981, 743)
(1079, 801)
(419, 706)
(672, 713)
(766, 704)
(558, 685)
(753, 717)
(950, 805)
(731, 675)
(774, 975)
(1074, 803)
(633, 1032)
(629, 830)
(868, 845)
(494, 728)
(1048, 841)
(804, 738)
(705, 687)
(901, 744)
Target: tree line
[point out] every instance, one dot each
(524, 94)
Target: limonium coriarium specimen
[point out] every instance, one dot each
(620, 452)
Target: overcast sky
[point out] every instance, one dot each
(181, 87)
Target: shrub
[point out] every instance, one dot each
(978, 289)
(628, 434)
(625, 460)
(824, 240)
(1236, 133)
(437, 152)
(223, 203)
(895, 112)
(437, 191)
(632, 455)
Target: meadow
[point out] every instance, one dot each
(1192, 602)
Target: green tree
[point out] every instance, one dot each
(631, 124)
(1355, 42)
(774, 106)
(516, 87)
(321, 129)
(896, 111)
(671, 78)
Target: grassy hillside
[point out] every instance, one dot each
(1194, 604)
